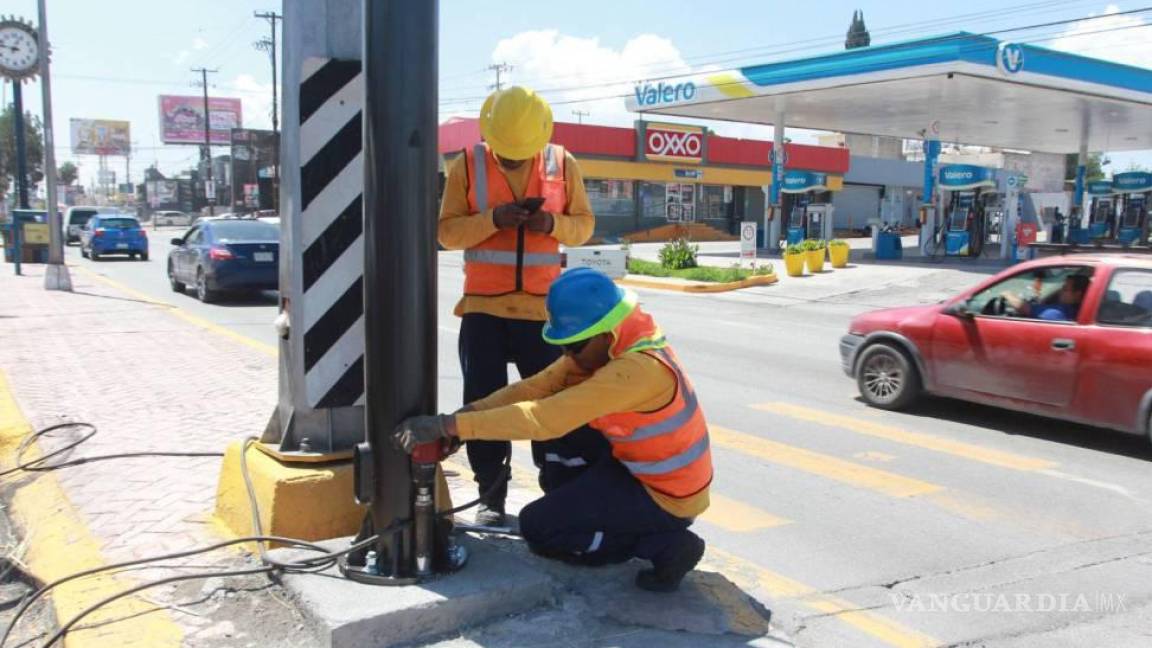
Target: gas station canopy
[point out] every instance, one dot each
(962, 88)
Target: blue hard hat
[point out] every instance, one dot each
(583, 303)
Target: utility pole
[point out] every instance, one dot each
(499, 68)
(56, 275)
(204, 72)
(21, 145)
(580, 115)
(270, 45)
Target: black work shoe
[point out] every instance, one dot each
(490, 516)
(665, 576)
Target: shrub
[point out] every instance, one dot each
(811, 245)
(795, 248)
(837, 243)
(679, 254)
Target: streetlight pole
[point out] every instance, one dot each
(56, 274)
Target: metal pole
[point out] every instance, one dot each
(272, 17)
(400, 187)
(21, 146)
(773, 228)
(56, 274)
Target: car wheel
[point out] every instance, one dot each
(177, 286)
(143, 256)
(83, 252)
(92, 254)
(886, 377)
(203, 293)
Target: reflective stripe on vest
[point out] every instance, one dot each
(480, 173)
(497, 257)
(677, 420)
(692, 453)
(551, 164)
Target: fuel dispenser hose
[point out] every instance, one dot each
(321, 562)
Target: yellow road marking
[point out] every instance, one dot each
(751, 576)
(184, 315)
(823, 465)
(739, 517)
(900, 435)
(59, 544)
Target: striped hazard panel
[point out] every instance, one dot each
(332, 231)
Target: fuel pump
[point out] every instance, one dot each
(971, 190)
(1101, 211)
(805, 202)
(1136, 193)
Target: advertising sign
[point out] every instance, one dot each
(1132, 181)
(673, 143)
(802, 181)
(182, 119)
(965, 176)
(680, 203)
(1100, 188)
(100, 137)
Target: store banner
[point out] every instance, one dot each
(673, 143)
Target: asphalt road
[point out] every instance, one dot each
(951, 524)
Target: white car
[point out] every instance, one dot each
(75, 219)
(171, 218)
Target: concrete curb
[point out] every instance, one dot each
(60, 543)
(699, 286)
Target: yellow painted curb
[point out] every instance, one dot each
(700, 287)
(59, 544)
(304, 501)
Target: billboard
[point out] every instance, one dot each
(182, 119)
(100, 137)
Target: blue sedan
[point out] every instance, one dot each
(105, 234)
(219, 255)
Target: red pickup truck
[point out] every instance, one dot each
(1068, 337)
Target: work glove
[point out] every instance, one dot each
(541, 221)
(418, 430)
(509, 216)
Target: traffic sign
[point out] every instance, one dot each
(748, 240)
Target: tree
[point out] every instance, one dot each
(1094, 170)
(34, 139)
(67, 173)
(152, 173)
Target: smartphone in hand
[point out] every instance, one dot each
(532, 205)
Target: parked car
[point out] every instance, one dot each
(1019, 341)
(106, 234)
(74, 221)
(171, 218)
(221, 255)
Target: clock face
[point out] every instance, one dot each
(19, 52)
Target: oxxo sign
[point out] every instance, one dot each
(673, 143)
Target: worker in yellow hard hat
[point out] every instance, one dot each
(509, 203)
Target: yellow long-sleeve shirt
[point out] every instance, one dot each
(460, 229)
(562, 398)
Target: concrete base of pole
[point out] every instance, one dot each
(347, 614)
(56, 277)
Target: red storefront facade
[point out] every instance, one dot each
(656, 173)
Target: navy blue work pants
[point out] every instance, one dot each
(487, 344)
(602, 516)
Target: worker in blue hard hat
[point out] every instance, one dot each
(619, 375)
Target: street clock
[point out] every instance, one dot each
(19, 49)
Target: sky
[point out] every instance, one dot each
(112, 59)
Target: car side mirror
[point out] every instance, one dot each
(177, 242)
(959, 309)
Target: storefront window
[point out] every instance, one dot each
(611, 198)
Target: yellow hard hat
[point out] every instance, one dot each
(516, 123)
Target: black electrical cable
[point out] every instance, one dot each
(39, 464)
(325, 560)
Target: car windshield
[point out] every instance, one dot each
(245, 231)
(119, 223)
(81, 216)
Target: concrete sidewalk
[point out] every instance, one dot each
(152, 377)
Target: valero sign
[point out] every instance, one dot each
(1100, 188)
(802, 181)
(1132, 181)
(673, 143)
(656, 94)
(965, 176)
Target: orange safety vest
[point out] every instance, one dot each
(514, 260)
(666, 449)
